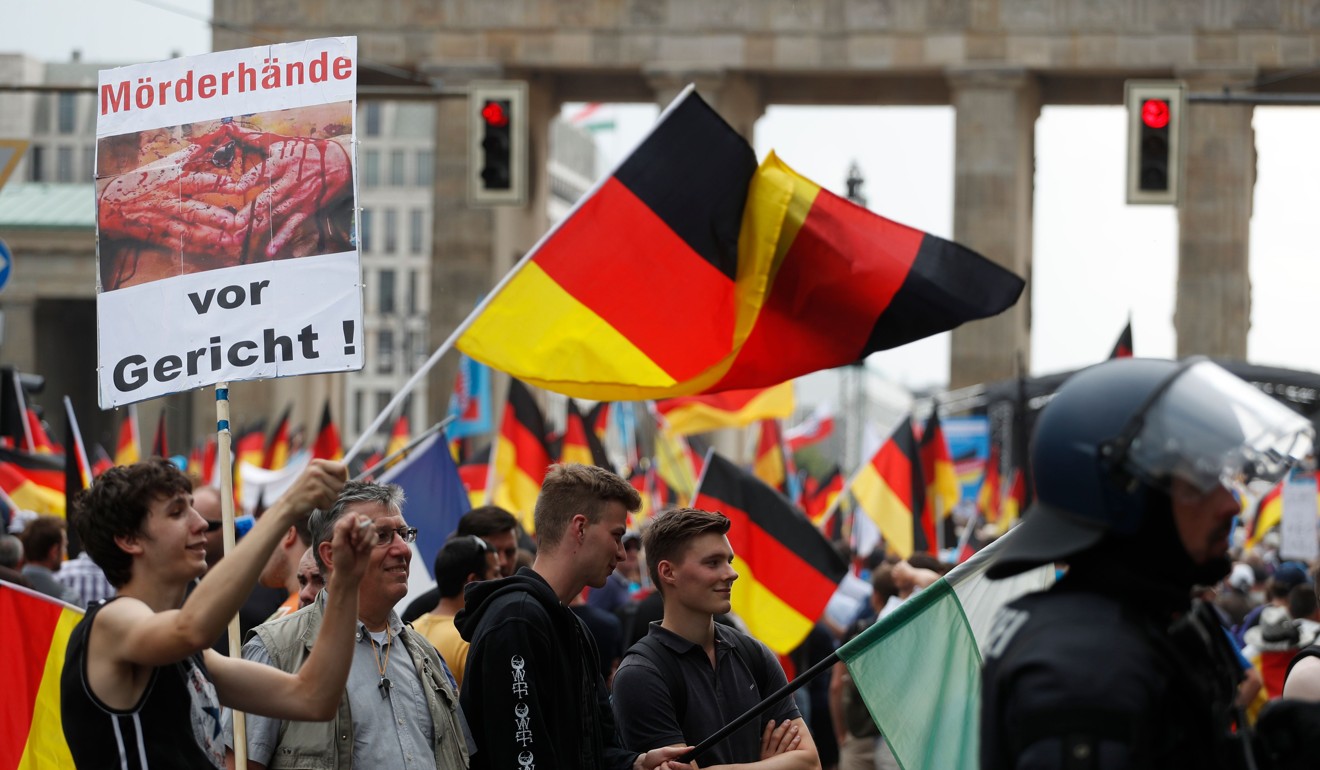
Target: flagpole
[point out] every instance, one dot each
(223, 444)
(429, 432)
(495, 292)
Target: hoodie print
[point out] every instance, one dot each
(522, 712)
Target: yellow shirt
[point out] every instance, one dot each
(439, 631)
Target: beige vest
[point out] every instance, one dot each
(329, 745)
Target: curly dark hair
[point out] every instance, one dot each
(116, 505)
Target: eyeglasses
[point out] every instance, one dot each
(386, 536)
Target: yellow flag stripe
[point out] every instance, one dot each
(45, 746)
(885, 509)
(768, 618)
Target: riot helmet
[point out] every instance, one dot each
(1118, 431)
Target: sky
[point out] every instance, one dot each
(1097, 261)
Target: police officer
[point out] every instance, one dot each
(1136, 463)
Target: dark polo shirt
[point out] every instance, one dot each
(716, 696)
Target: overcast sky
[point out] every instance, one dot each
(1097, 260)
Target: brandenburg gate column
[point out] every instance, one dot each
(994, 168)
(1213, 310)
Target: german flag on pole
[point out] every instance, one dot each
(942, 489)
(475, 474)
(787, 571)
(891, 492)
(1123, 347)
(988, 499)
(521, 456)
(276, 455)
(731, 409)
(327, 445)
(819, 496)
(788, 278)
(37, 630)
(41, 443)
(159, 446)
(128, 449)
(581, 444)
(33, 482)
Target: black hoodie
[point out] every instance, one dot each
(532, 691)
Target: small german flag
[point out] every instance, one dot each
(475, 474)
(890, 490)
(819, 496)
(942, 489)
(159, 445)
(988, 498)
(787, 571)
(249, 448)
(768, 465)
(128, 449)
(399, 437)
(521, 456)
(581, 445)
(276, 455)
(327, 446)
(34, 482)
(41, 442)
(1123, 346)
(731, 409)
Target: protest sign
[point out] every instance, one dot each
(226, 227)
(1298, 528)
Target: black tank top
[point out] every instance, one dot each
(175, 724)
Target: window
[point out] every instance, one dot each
(387, 304)
(364, 230)
(396, 168)
(391, 231)
(412, 292)
(63, 163)
(385, 354)
(67, 112)
(371, 168)
(372, 112)
(415, 221)
(41, 122)
(36, 167)
(425, 163)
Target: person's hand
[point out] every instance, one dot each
(351, 542)
(663, 758)
(905, 578)
(317, 486)
(776, 739)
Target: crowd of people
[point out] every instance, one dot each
(598, 646)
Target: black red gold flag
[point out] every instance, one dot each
(891, 492)
(787, 571)
(521, 456)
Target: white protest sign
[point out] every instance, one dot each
(226, 219)
(1297, 530)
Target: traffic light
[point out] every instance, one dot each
(1155, 111)
(497, 144)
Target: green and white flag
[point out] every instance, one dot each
(919, 669)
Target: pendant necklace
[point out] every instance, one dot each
(384, 684)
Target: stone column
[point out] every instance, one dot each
(1213, 309)
(735, 96)
(994, 167)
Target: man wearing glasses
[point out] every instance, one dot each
(400, 707)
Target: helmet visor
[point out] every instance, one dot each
(1211, 428)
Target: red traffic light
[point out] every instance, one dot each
(1155, 113)
(495, 114)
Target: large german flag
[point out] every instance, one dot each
(787, 571)
(942, 489)
(687, 415)
(668, 220)
(37, 630)
(521, 455)
(891, 492)
(764, 276)
(33, 482)
(580, 443)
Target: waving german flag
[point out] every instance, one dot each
(33, 482)
(787, 571)
(521, 456)
(36, 636)
(686, 415)
(580, 443)
(891, 492)
(760, 276)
